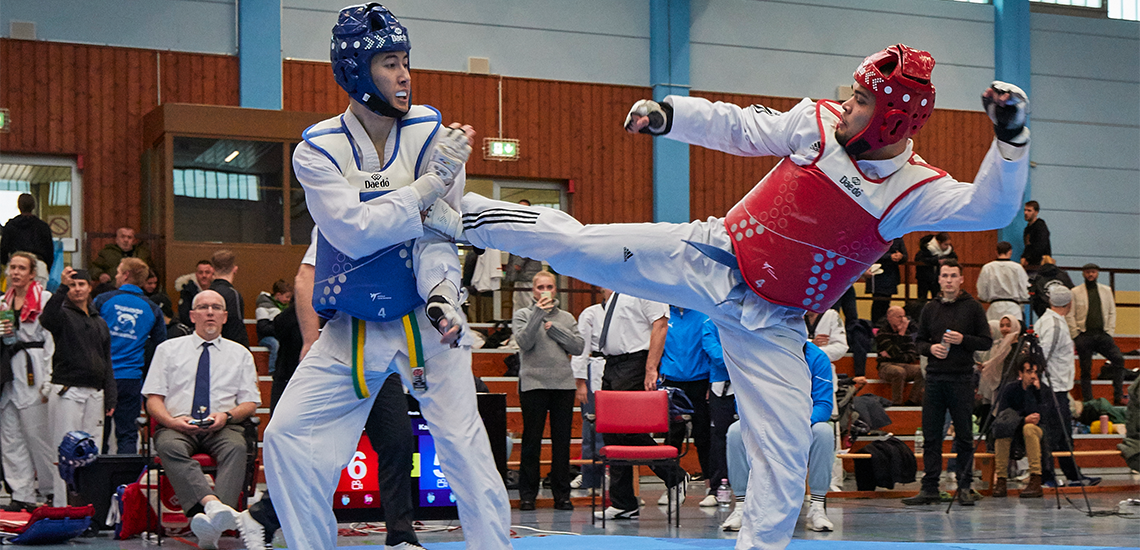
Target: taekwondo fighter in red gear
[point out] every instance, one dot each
(848, 184)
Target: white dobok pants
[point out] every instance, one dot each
(316, 427)
(763, 343)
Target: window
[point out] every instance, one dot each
(1128, 10)
(228, 190)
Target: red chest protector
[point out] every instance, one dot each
(804, 234)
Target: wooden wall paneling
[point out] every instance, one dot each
(54, 105)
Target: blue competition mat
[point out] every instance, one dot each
(612, 542)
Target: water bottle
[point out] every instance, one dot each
(723, 494)
(8, 315)
(918, 439)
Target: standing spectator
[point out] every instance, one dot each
(722, 405)
(632, 340)
(898, 357)
(28, 233)
(520, 271)
(83, 389)
(27, 452)
(104, 264)
(134, 321)
(883, 286)
(224, 271)
(950, 330)
(1036, 237)
(685, 366)
(1029, 404)
(1092, 322)
(159, 297)
(1039, 283)
(201, 389)
(268, 306)
(1057, 346)
(191, 284)
(1004, 284)
(588, 367)
(587, 372)
(933, 250)
(547, 336)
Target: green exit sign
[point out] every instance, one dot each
(5, 121)
(500, 149)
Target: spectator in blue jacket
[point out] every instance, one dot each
(685, 366)
(134, 320)
(820, 456)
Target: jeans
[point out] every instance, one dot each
(273, 345)
(955, 395)
(820, 458)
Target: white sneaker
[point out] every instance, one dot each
(617, 513)
(405, 546)
(734, 520)
(817, 518)
(209, 525)
(664, 499)
(576, 483)
(252, 532)
(709, 501)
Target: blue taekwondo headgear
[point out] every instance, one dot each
(77, 449)
(360, 33)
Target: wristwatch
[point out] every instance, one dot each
(229, 417)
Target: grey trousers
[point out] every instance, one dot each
(226, 446)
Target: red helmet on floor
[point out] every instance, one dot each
(899, 78)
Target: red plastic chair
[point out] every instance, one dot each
(634, 412)
(209, 466)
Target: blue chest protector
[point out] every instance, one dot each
(381, 286)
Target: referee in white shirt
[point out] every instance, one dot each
(632, 341)
(199, 389)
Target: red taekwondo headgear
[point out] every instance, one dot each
(899, 77)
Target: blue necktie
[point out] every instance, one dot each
(201, 406)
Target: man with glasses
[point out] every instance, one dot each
(199, 390)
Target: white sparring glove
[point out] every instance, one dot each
(1008, 116)
(447, 158)
(441, 307)
(660, 117)
(442, 218)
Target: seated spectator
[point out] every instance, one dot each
(199, 389)
(1022, 403)
(932, 251)
(25, 448)
(898, 357)
(268, 306)
(83, 389)
(104, 264)
(189, 285)
(826, 331)
(1092, 323)
(992, 364)
(547, 336)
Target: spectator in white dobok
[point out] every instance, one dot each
(1004, 284)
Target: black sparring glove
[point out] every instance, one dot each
(1008, 114)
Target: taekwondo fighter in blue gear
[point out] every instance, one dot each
(849, 182)
(370, 175)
